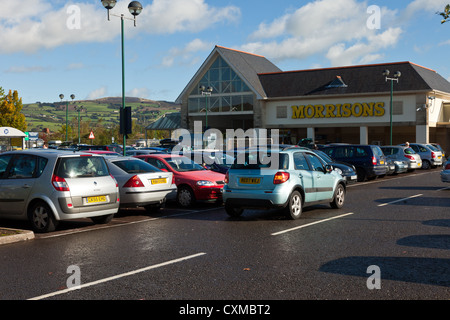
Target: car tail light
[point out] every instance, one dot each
(280, 177)
(226, 178)
(133, 182)
(374, 160)
(433, 155)
(173, 179)
(59, 183)
(409, 157)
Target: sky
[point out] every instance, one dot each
(49, 47)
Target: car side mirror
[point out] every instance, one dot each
(328, 168)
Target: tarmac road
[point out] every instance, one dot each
(390, 241)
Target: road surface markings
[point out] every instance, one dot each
(400, 200)
(130, 273)
(310, 224)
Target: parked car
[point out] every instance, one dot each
(218, 161)
(445, 173)
(431, 157)
(141, 184)
(139, 152)
(438, 146)
(403, 153)
(368, 160)
(288, 179)
(103, 153)
(346, 170)
(48, 185)
(390, 167)
(194, 182)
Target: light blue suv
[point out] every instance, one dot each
(288, 179)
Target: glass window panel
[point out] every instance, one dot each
(226, 74)
(236, 86)
(236, 103)
(226, 104)
(193, 105)
(226, 87)
(214, 104)
(214, 75)
(247, 102)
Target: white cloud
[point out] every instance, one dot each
(97, 93)
(186, 55)
(334, 28)
(138, 92)
(30, 25)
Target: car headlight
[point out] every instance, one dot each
(338, 170)
(203, 183)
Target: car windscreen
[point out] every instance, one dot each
(261, 160)
(81, 166)
(135, 166)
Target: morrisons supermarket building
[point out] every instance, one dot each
(342, 104)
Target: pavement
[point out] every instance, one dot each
(8, 235)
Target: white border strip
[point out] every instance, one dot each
(52, 294)
(310, 224)
(400, 200)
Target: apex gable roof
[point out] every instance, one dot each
(357, 79)
(246, 65)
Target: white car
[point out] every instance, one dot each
(141, 184)
(46, 186)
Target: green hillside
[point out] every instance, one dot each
(106, 110)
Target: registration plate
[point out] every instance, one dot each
(250, 180)
(381, 162)
(159, 181)
(96, 199)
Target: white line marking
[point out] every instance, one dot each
(400, 200)
(116, 277)
(310, 224)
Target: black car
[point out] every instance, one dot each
(347, 171)
(368, 160)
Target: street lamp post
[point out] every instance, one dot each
(206, 92)
(72, 96)
(135, 9)
(395, 78)
(79, 109)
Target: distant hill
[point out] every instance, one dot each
(52, 115)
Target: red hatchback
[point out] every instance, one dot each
(194, 182)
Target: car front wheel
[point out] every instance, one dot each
(294, 207)
(339, 197)
(185, 197)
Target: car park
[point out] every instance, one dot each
(141, 184)
(403, 153)
(47, 186)
(194, 183)
(368, 160)
(431, 157)
(287, 179)
(445, 173)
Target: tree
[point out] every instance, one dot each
(445, 14)
(10, 110)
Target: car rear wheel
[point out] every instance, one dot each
(41, 218)
(294, 207)
(339, 197)
(232, 211)
(185, 197)
(426, 164)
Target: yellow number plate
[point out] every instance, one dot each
(250, 180)
(96, 199)
(381, 162)
(159, 181)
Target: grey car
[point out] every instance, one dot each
(47, 186)
(431, 157)
(141, 184)
(403, 153)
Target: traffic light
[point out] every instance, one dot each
(125, 120)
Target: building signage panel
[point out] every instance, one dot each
(345, 110)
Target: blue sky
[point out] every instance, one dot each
(52, 47)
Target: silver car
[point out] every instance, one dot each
(403, 153)
(431, 157)
(46, 186)
(141, 184)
